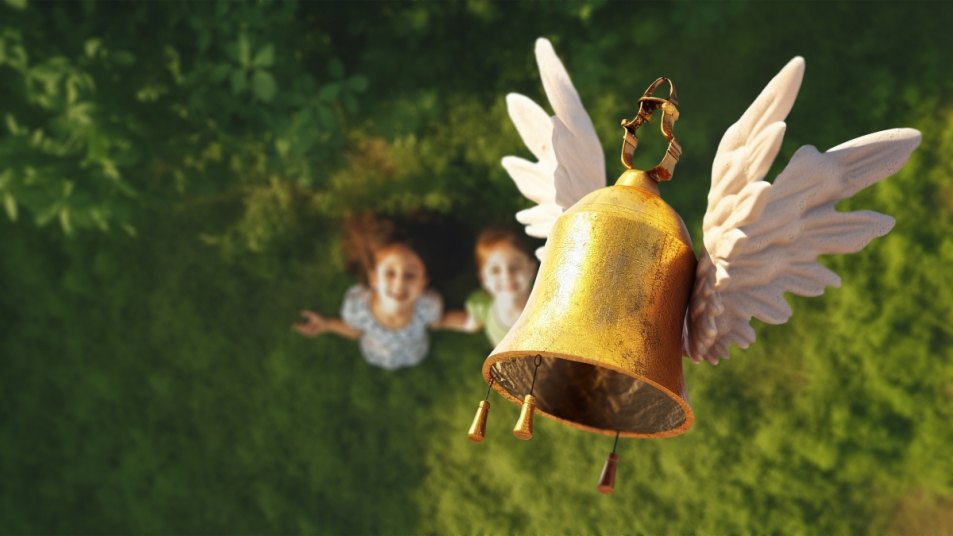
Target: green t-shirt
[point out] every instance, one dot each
(480, 306)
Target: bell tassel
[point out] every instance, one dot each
(524, 425)
(478, 428)
(607, 479)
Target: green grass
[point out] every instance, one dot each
(152, 385)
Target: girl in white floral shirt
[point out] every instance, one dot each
(391, 313)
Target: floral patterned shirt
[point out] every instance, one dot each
(391, 348)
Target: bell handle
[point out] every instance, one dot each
(647, 106)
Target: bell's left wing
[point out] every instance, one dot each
(762, 239)
(565, 145)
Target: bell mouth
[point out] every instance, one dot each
(590, 396)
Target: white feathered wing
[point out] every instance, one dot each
(762, 240)
(570, 158)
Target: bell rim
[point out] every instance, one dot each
(679, 399)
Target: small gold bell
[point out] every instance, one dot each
(524, 426)
(478, 428)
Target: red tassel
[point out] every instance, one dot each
(607, 480)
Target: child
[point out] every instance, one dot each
(391, 311)
(506, 272)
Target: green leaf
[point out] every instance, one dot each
(173, 63)
(65, 221)
(219, 72)
(91, 46)
(244, 50)
(99, 219)
(71, 92)
(283, 146)
(128, 155)
(350, 104)
(265, 56)
(264, 85)
(10, 205)
(123, 58)
(12, 124)
(329, 92)
(205, 39)
(124, 188)
(17, 4)
(335, 68)
(80, 113)
(239, 81)
(358, 83)
(48, 214)
(326, 117)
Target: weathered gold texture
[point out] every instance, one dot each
(478, 429)
(524, 425)
(606, 315)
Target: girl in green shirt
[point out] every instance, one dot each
(506, 272)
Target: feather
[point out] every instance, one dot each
(570, 162)
(762, 240)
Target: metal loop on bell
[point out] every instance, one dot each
(647, 106)
(536, 363)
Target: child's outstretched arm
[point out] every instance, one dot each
(315, 324)
(458, 321)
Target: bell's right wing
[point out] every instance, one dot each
(763, 239)
(570, 161)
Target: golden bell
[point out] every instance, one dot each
(524, 425)
(606, 314)
(478, 429)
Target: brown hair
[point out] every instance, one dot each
(494, 236)
(367, 234)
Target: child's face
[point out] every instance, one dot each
(399, 277)
(507, 271)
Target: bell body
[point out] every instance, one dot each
(606, 314)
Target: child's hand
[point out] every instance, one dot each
(313, 324)
(458, 321)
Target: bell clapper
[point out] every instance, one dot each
(607, 479)
(524, 425)
(478, 429)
